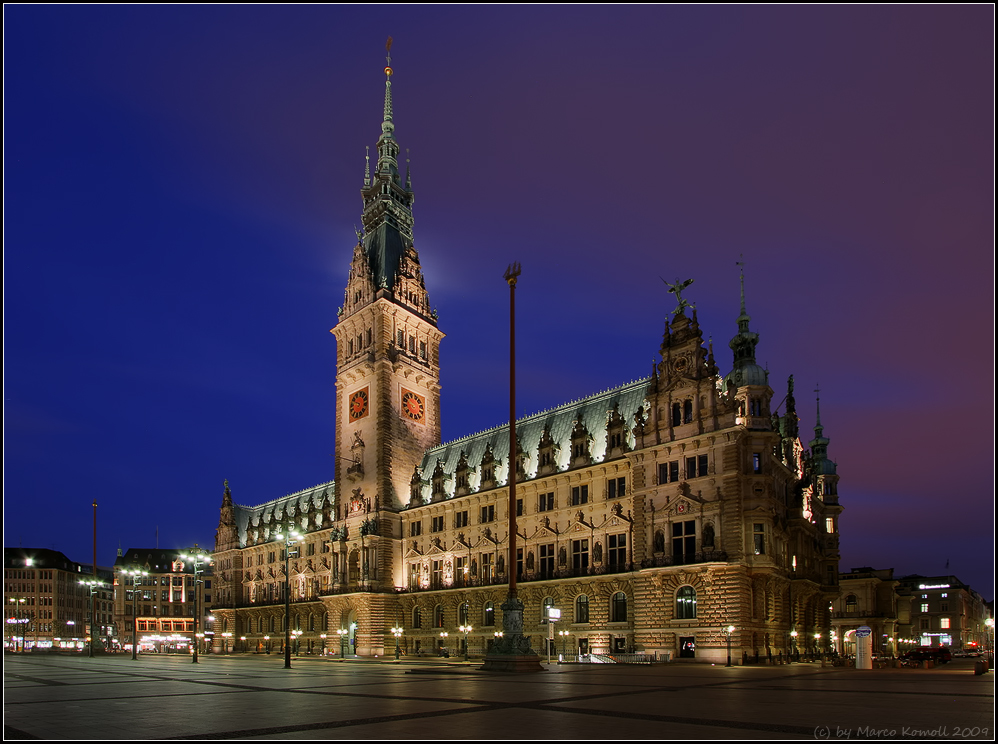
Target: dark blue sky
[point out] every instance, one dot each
(182, 185)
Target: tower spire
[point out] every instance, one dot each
(745, 371)
(389, 265)
(388, 155)
(743, 317)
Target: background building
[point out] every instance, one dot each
(654, 515)
(870, 598)
(945, 612)
(164, 600)
(46, 605)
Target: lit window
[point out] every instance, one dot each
(944, 623)
(686, 603)
(759, 538)
(925, 606)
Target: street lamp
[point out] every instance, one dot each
(728, 631)
(136, 574)
(990, 623)
(291, 538)
(323, 637)
(465, 629)
(342, 632)
(225, 642)
(397, 632)
(564, 638)
(817, 644)
(793, 643)
(198, 557)
(93, 585)
(297, 634)
(443, 642)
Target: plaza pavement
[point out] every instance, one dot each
(255, 697)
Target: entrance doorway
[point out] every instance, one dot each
(687, 647)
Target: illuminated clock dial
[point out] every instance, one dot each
(413, 406)
(358, 405)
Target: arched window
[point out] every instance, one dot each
(851, 603)
(548, 602)
(417, 617)
(688, 412)
(677, 416)
(462, 614)
(489, 614)
(438, 616)
(618, 608)
(686, 603)
(582, 609)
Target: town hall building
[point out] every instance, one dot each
(655, 515)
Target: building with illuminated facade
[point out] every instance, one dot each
(46, 605)
(945, 612)
(653, 515)
(165, 598)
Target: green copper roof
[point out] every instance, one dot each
(593, 411)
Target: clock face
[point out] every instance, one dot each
(358, 405)
(413, 406)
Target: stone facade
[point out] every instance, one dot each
(653, 515)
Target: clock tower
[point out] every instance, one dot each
(388, 363)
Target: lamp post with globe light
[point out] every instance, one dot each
(290, 538)
(93, 585)
(198, 558)
(397, 632)
(136, 575)
(465, 629)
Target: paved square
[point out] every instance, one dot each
(255, 697)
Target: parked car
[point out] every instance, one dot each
(939, 655)
(967, 653)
